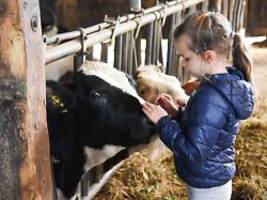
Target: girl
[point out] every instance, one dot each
(202, 137)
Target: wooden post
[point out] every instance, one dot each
(25, 170)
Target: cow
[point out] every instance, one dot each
(101, 113)
(151, 82)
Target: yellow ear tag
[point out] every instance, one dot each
(58, 102)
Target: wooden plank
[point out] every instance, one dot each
(25, 162)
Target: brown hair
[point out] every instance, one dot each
(212, 31)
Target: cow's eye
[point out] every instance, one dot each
(95, 94)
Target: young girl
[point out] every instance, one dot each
(202, 137)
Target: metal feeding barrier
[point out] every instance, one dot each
(125, 34)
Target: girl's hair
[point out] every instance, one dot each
(212, 31)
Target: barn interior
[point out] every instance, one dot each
(126, 35)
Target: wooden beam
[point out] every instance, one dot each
(25, 170)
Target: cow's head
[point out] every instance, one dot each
(107, 101)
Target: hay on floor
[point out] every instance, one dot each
(142, 179)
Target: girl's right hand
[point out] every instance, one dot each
(166, 102)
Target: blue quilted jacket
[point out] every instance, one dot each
(202, 137)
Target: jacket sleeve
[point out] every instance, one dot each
(179, 115)
(197, 139)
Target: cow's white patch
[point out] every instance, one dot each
(97, 156)
(111, 75)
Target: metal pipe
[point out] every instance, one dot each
(138, 51)
(241, 19)
(175, 58)
(104, 52)
(154, 43)
(130, 53)
(149, 43)
(135, 56)
(158, 38)
(75, 46)
(124, 51)
(75, 34)
(170, 46)
(118, 52)
(90, 51)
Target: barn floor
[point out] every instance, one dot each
(142, 179)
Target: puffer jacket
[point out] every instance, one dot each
(203, 136)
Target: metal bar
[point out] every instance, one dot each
(149, 42)
(124, 51)
(75, 34)
(90, 53)
(135, 57)
(77, 63)
(138, 50)
(238, 15)
(118, 52)
(130, 53)
(158, 41)
(230, 11)
(104, 52)
(74, 46)
(160, 53)
(233, 19)
(174, 54)
(170, 45)
(155, 42)
(241, 14)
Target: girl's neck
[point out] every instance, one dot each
(218, 68)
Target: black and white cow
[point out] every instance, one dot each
(103, 113)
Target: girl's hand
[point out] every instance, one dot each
(166, 102)
(154, 112)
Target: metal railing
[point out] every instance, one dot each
(124, 33)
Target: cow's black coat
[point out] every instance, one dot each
(93, 114)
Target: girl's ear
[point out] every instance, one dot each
(209, 56)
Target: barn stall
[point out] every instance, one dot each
(23, 98)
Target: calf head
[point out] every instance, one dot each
(151, 82)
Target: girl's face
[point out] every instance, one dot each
(191, 61)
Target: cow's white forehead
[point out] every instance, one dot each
(111, 75)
